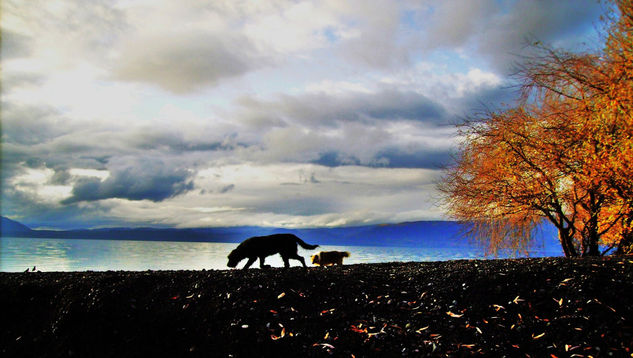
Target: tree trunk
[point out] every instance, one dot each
(566, 242)
(590, 234)
(592, 248)
(590, 238)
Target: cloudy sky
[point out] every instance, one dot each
(230, 112)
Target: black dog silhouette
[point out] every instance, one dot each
(262, 246)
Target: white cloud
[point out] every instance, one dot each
(337, 87)
(101, 174)
(36, 183)
(187, 61)
(291, 27)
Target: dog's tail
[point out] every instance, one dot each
(345, 254)
(304, 245)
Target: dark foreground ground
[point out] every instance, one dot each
(526, 307)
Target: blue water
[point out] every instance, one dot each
(18, 254)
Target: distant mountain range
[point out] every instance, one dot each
(10, 227)
(409, 234)
(432, 234)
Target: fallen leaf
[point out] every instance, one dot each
(455, 315)
(422, 329)
(358, 329)
(326, 345)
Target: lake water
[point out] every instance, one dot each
(18, 254)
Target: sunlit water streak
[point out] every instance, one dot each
(18, 254)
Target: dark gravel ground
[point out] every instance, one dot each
(552, 307)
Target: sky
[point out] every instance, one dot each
(169, 113)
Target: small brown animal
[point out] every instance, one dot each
(329, 258)
(262, 246)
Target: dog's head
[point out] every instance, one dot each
(234, 258)
(316, 259)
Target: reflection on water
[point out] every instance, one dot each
(17, 254)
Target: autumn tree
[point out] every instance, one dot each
(562, 153)
(615, 120)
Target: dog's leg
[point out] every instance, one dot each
(286, 261)
(297, 257)
(261, 262)
(249, 263)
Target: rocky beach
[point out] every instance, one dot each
(545, 307)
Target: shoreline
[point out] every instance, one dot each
(526, 307)
(124, 255)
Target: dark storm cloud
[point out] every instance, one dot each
(422, 158)
(40, 136)
(403, 105)
(29, 124)
(146, 181)
(326, 110)
(336, 159)
(227, 188)
(61, 177)
(501, 31)
(35, 213)
(391, 157)
(387, 128)
(174, 141)
(484, 99)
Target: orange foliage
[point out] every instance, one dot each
(564, 153)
